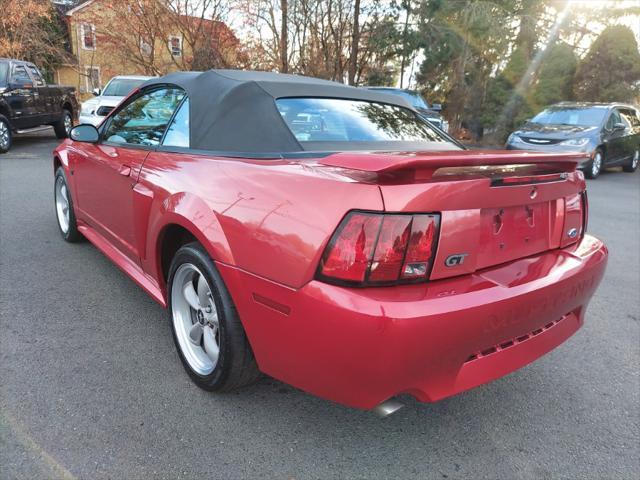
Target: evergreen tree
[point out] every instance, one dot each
(555, 79)
(611, 70)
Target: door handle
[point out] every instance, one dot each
(124, 170)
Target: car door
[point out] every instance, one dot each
(105, 173)
(632, 134)
(20, 97)
(615, 133)
(42, 96)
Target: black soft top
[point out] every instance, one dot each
(235, 110)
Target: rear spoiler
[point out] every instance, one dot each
(388, 162)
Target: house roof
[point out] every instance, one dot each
(78, 7)
(212, 28)
(235, 111)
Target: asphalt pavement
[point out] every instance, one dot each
(91, 385)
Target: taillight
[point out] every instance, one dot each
(380, 249)
(390, 248)
(351, 246)
(574, 219)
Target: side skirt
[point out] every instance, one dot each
(124, 263)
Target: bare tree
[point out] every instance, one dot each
(201, 27)
(161, 36)
(332, 39)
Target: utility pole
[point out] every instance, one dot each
(284, 38)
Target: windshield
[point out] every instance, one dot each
(121, 87)
(414, 98)
(342, 120)
(581, 116)
(4, 70)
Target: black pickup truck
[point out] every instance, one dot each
(27, 102)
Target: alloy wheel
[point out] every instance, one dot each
(596, 164)
(62, 204)
(195, 319)
(636, 157)
(4, 135)
(68, 123)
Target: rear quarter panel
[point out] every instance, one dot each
(271, 218)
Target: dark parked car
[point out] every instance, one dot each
(610, 133)
(27, 102)
(428, 112)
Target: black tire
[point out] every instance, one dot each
(236, 365)
(632, 164)
(6, 136)
(72, 235)
(595, 167)
(61, 126)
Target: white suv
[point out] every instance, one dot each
(94, 110)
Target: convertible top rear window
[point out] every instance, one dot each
(333, 120)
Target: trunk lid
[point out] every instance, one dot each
(495, 206)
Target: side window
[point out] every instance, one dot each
(88, 36)
(629, 117)
(178, 132)
(20, 75)
(92, 78)
(175, 46)
(144, 119)
(36, 76)
(613, 119)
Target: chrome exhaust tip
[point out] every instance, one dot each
(387, 408)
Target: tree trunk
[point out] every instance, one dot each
(355, 40)
(284, 39)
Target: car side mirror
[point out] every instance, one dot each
(84, 133)
(619, 126)
(436, 107)
(96, 92)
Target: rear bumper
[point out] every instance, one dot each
(360, 347)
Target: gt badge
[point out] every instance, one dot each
(455, 259)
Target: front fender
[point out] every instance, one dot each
(61, 158)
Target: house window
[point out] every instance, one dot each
(145, 48)
(175, 46)
(88, 36)
(93, 78)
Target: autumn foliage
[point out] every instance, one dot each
(31, 30)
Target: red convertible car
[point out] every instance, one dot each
(326, 236)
